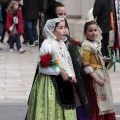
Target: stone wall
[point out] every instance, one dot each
(76, 15)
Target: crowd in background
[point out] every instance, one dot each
(19, 17)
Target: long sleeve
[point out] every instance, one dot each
(86, 61)
(8, 21)
(86, 57)
(51, 70)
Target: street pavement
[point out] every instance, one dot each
(16, 73)
(18, 111)
(13, 111)
(16, 77)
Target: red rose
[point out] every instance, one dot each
(46, 60)
(76, 42)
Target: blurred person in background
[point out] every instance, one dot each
(31, 14)
(101, 11)
(14, 25)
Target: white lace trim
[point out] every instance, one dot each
(49, 70)
(88, 69)
(93, 46)
(60, 52)
(50, 26)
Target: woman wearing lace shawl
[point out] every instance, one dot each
(57, 9)
(98, 84)
(49, 98)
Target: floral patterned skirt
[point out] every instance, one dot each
(43, 104)
(94, 100)
(104, 93)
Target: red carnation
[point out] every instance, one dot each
(76, 42)
(46, 60)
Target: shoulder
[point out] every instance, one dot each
(46, 47)
(93, 47)
(45, 42)
(86, 45)
(89, 46)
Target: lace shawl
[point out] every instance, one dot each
(59, 51)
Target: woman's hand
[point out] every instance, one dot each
(99, 82)
(106, 59)
(96, 79)
(11, 27)
(64, 75)
(73, 79)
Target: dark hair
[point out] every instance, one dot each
(57, 24)
(88, 24)
(50, 12)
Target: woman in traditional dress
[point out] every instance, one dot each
(98, 84)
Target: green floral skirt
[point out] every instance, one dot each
(43, 104)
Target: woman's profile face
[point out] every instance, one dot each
(61, 12)
(60, 31)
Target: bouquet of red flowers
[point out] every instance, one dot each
(76, 42)
(47, 60)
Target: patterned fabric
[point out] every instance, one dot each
(79, 72)
(50, 26)
(87, 56)
(59, 51)
(93, 106)
(103, 93)
(43, 104)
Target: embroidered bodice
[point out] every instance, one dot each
(59, 51)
